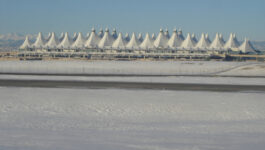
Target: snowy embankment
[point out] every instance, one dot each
(166, 68)
(115, 119)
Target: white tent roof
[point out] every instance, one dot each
(140, 37)
(221, 38)
(75, 36)
(61, 36)
(203, 43)
(26, 43)
(106, 41)
(153, 36)
(87, 35)
(246, 47)
(193, 37)
(217, 43)
(119, 42)
(127, 38)
(134, 43)
(174, 40)
(232, 42)
(53, 42)
(188, 43)
(40, 41)
(79, 42)
(48, 37)
(92, 41)
(147, 42)
(114, 34)
(161, 40)
(66, 42)
(207, 38)
(180, 35)
(167, 34)
(100, 33)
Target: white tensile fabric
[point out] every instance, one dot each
(188, 43)
(79, 42)
(167, 34)
(114, 34)
(87, 35)
(174, 41)
(208, 38)
(153, 36)
(193, 37)
(246, 47)
(217, 43)
(61, 37)
(203, 44)
(100, 33)
(134, 43)
(48, 37)
(106, 41)
(147, 42)
(92, 41)
(66, 42)
(127, 38)
(119, 43)
(161, 40)
(53, 42)
(40, 41)
(180, 35)
(26, 44)
(75, 36)
(232, 42)
(140, 38)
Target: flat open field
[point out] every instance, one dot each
(118, 119)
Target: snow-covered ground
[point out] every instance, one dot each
(116, 119)
(134, 67)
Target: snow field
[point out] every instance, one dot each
(111, 119)
(122, 67)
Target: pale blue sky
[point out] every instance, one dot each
(244, 17)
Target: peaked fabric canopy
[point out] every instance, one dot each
(114, 34)
(134, 43)
(127, 38)
(217, 43)
(180, 35)
(61, 36)
(79, 42)
(92, 41)
(246, 47)
(147, 42)
(106, 41)
(100, 33)
(119, 42)
(75, 36)
(66, 42)
(193, 37)
(140, 38)
(153, 36)
(188, 43)
(167, 34)
(53, 42)
(232, 42)
(40, 41)
(174, 41)
(161, 40)
(26, 44)
(203, 43)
